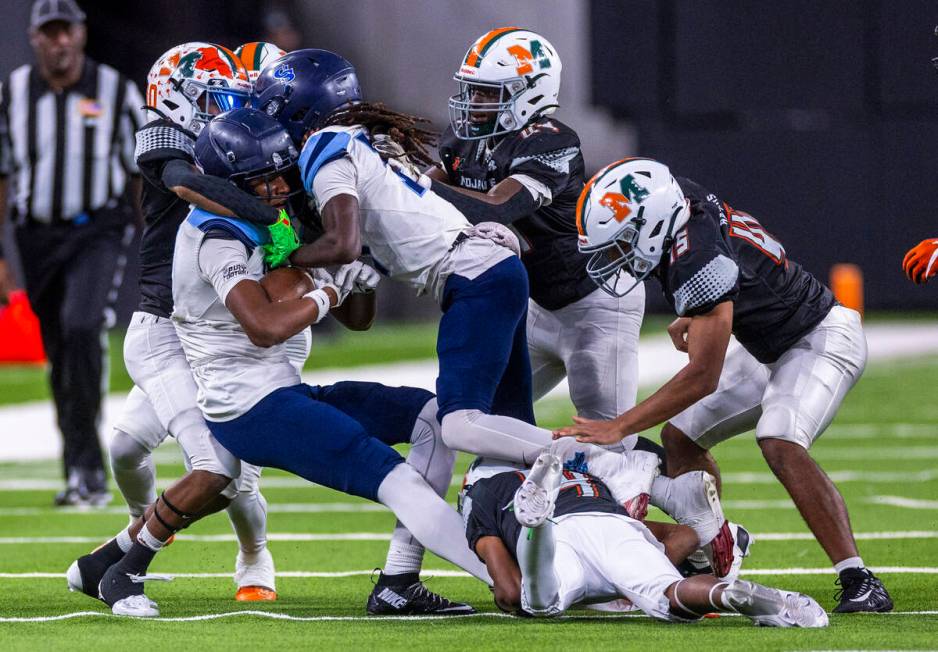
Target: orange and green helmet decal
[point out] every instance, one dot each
(484, 44)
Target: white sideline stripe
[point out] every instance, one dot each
(218, 538)
(384, 536)
(427, 573)
(827, 454)
(285, 508)
(901, 501)
(657, 361)
(365, 619)
(744, 477)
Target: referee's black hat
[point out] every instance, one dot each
(45, 11)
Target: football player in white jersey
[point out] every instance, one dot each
(249, 392)
(186, 86)
(413, 236)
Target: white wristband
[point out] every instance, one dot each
(322, 302)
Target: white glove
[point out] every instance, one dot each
(322, 280)
(356, 277)
(497, 233)
(410, 171)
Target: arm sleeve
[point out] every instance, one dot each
(337, 177)
(520, 204)
(6, 147)
(223, 262)
(178, 172)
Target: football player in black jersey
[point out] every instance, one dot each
(553, 538)
(505, 158)
(187, 86)
(800, 352)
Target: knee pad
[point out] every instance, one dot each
(126, 452)
(456, 428)
(782, 422)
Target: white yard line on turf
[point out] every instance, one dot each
(384, 536)
(364, 619)
(427, 573)
(657, 361)
(901, 501)
(363, 507)
(744, 477)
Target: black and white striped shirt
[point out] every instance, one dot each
(68, 153)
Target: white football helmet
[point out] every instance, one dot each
(627, 217)
(256, 56)
(518, 69)
(194, 81)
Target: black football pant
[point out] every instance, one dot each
(71, 272)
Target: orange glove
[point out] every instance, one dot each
(921, 263)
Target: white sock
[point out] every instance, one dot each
(134, 472)
(490, 435)
(248, 513)
(434, 523)
(540, 588)
(147, 539)
(849, 562)
(405, 554)
(124, 542)
(434, 461)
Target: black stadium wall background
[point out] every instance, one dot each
(819, 118)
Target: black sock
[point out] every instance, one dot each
(137, 559)
(402, 579)
(108, 554)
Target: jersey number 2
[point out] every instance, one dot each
(748, 228)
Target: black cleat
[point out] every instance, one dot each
(85, 574)
(411, 598)
(860, 590)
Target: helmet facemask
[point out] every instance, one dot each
(502, 111)
(209, 100)
(608, 260)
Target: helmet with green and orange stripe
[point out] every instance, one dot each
(256, 56)
(508, 77)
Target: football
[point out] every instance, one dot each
(287, 283)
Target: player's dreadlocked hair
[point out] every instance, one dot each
(401, 128)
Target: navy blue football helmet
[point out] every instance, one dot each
(303, 87)
(245, 145)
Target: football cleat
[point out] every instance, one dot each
(860, 590)
(535, 499)
(768, 607)
(255, 579)
(86, 572)
(692, 499)
(411, 599)
(136, 606)
(123, 592)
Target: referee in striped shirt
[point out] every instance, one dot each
(67, 170)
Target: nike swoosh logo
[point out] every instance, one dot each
(862, 597)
